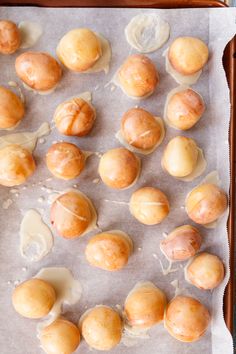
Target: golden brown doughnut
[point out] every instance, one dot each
(180, 156)
(138, 76)
(205, 271)
(184, 109)
(16, 165)
(206, 203)
(188, 55)
(140, 129)
(10, 37)
(61, 336)
(149, 205)
(33, 298)
(65, 160)
(109, 250)
(182, 243)
(71, 214)
(11, 109)
(145, 306)
(38, 70)
(101, 327)
(74, 117)
(186, 319)
(79, 49)
(119, 168)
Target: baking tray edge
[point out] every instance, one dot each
(229, 59)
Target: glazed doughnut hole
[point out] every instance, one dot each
(65, 160)
(206, 203)
(74, 117)
(149, 205)
(101, 327)
(180, 157)
(138, 76)
(109, 250)
(16, 165)
(11, 109)
(73, 214)
(61, 336)
(33, 298)
(144, 306)
(188, 55)
(186, 319)
(79, 49)
(184, 109)
(205, 271)
(181, 244)
(119, 168)
(39, 71)
(141, 131)
(10, 37)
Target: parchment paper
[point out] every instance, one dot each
(216, 27)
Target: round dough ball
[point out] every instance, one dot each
(184, 109)
(186, 319)
(206, 203)
(71, 214)
(182, 243)
(206, 271)
(119, 168)
(38, 70)
(188, 55)
(11, 109)
(16, 165)
(79, 49)
(109, 250)
(140, 129)
(65, 160)
(138, 76)
(180, 156)
(101, 328)
(10, 37)
(33, 298)
(149, 205)
(74, 117)
(60, 337)
(145, 306)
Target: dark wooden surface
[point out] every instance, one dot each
(117, 3)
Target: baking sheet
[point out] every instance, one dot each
(216, 27)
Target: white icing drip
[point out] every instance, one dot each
(30, 33)
(179, 78)
(36, 238)
(7, 203)
(178, 290)
(212, 177)
(26, 139)
(169, 269)
(22, 97)
(86, 96)
(147, 32)
(42, 93)
(102, 64)
(68, 290)
(132, 148)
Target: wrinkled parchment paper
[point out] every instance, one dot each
(216, 27)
